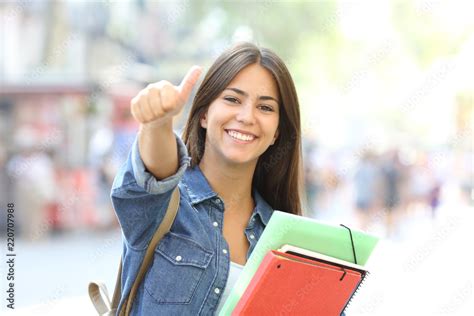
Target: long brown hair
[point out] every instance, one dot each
(278, 176)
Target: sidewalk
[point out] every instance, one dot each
(426, 273)
(51, 277)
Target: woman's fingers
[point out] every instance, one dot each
(154, 101)
(162, 99)
(170, 99)
(135, 109)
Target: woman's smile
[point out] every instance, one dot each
(240, 137)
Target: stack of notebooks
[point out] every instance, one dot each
(301, 266)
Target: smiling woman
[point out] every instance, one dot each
(239, 76)
(244, 115)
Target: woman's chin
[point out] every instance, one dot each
(239, 159)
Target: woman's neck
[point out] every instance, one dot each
(233, 183)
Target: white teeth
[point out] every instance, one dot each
(240, 136)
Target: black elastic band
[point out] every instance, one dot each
(352, 242)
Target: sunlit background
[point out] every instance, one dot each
(386, 91)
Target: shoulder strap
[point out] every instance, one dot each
(160, 232)
(118, 288)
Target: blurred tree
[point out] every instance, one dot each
(282, 26)
(430, 29)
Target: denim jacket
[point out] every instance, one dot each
(191, 263)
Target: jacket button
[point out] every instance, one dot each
(178, 258)
(224, 251)
(216, 290)
(215, 224)
(252, 236)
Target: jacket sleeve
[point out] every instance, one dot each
(140, 200)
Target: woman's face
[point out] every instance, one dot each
(243, 121)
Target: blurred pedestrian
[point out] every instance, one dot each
(391, 173)
(104, 170)
(34, 187)
(420, 182)
(311, 176)
(366, 181)
(434, 198)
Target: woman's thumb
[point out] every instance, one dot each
(189, 81)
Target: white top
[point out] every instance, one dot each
(234, 273)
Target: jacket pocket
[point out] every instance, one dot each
(177, 269)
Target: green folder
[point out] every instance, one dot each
(284, 228)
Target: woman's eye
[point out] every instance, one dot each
(266, 108)
(231, 99)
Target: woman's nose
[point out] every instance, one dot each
(246, 114)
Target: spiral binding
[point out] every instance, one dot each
(364, 275)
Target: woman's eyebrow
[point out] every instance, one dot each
(245, 94)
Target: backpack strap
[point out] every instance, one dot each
(160, 232)
(98, 291)
(100, 297)
(118, 289)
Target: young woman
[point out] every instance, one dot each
(243, 139)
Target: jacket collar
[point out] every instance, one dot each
(262, 208)
(196, 185)
(199, 190)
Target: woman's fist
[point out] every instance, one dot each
(160, 101)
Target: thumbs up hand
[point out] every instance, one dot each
(160, 101)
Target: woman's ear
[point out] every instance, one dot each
(203, 120)
(276, 136)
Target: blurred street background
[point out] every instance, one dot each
(386, 91)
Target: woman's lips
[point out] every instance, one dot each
(240, 137)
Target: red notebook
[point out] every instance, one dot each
(286, 284)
